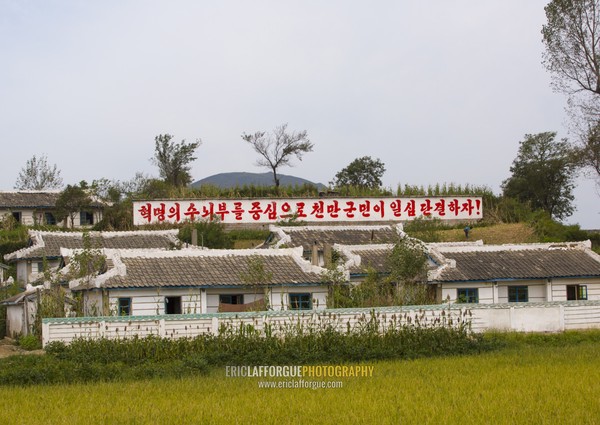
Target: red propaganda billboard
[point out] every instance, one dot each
(322, 210)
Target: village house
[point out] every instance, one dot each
(29, 208)
(471, 272)
(316, 241)
(566, 271)
(189, 281)
(45, 247)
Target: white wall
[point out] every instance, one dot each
(521, 317)
(150, 302)
(28, 269)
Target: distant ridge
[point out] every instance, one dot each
(235, 179)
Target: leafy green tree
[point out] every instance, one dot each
(364, 172)
(543, 174)
(70, 202)
(258, 277)
(173, 159)
(277, 149)
(407, 263)
(211, 234)
(39, 175)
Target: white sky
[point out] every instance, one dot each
(440, 91)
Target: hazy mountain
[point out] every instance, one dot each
(228, 180)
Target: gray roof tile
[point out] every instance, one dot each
(48, 244)
(519, 264)
(207, 268)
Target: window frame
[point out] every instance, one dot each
(89, 218)
(472, 298)
(18, 216)
(297, 303)
(516, 297)
(581, 293)
(171, 299)
(121, 307)
(239, 298)
(52, 221)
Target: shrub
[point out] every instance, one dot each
(29, 342)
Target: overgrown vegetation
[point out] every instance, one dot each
(374, 337)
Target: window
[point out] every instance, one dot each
(49, 218)
(467, 295)
(40, 267)
(576, 292)
(86, 218)
(17, 216)
(124, 306)
(300, 301)
(231, 299)
(172, 305)
(518, 294)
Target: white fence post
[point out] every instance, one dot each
(215, 326)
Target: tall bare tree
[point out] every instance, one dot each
(278, 149)
(39, 175)
(572, 40)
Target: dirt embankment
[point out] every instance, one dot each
(8, 348)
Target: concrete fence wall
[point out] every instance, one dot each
(521, 317)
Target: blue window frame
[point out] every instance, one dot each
(467, 295)
(300, 301)
(124, 306)
(518, 294)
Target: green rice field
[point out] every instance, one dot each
(550, 383)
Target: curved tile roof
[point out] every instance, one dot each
(48, 244)
(307, 236)
(194, 268)
(519, 264)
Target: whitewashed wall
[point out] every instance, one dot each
(539, 290)
(521, 317)
(151, 302)
(20, 318)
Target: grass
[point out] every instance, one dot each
(531, 381)
(497, 234)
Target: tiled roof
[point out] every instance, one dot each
(194, 268)
(452, 262)
(48, 244)
(28, 199)
(360, 258)
(306, 236)
(536, 262)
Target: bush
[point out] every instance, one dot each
(549, 230)
(29, 342)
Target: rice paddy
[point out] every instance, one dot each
(545, 382)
